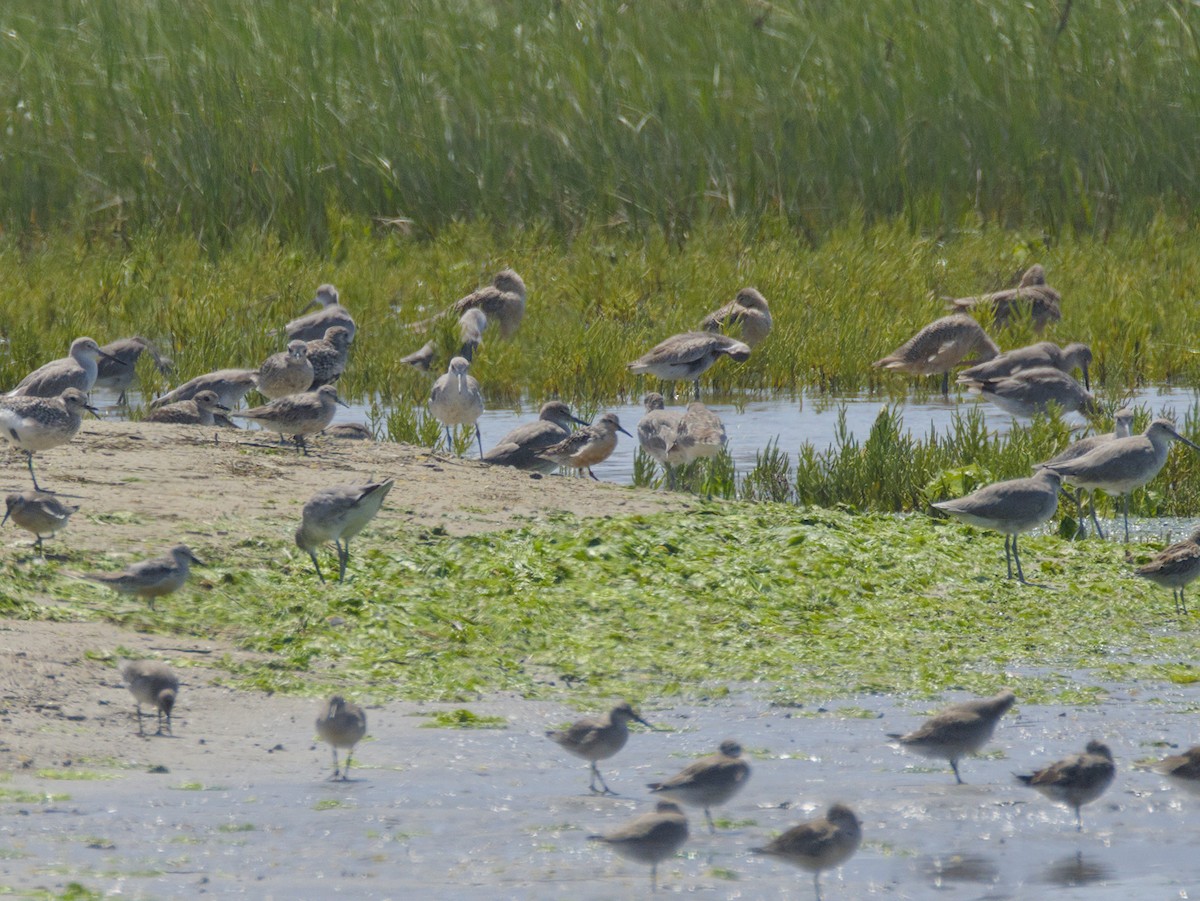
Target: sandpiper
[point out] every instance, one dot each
(338, 514)
(1011, 507)
(328, 355)
(1075, 780)
(152, 682)
(749, 310)
(598, 738)
(78, 370)
(1031, 293)
(688, 355)
(39, 423)
(709, 781)
(230, 386)
(297, 415)
(656, 433)
(700, 434)
(315, 325)
(939, 347)
(502, 302)
(587, 447)
(1182, 769)
(650, 838)
(1175, 567)
(1044, 353)
(1030, 392)
(117, 366)
(343, 725)
(522, 447)
(200, 410)
(1122, 428)
(285, 373)
(819, 844)
(152, 578)
(457, 400)
(37, 512)
(959, 730)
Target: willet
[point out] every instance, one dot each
(200, 410)
(650, 838)
(457, 400)
(285, 373)
(37, 512)
(337, 515)
(1121, 465)
(350, 431)
(656, 433)
(502, 302)
(152, 578)
(116, 371)
(297, 415)
(1032, 293)
(708, 781)
(598, 738)
(151, 682)
(939, 347)
(1031, 391)
(1175, 567)
(1122, 427)
(420, 359)
(959, 730)
(687, 356)
(315, 325)
(38, 423)
(328, 356)
(700, 434)
(78, 370)
(819, 844)
(1044, 353)
(1075, 780)
(1011, 507)
(1182, 769)
(587, 447)
(343, 725)
(470, 332)
(749, 310)
(523, 446)
(230, 386)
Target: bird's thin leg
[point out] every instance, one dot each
(346, 768)
(333, 778)
(654, 876)
(1017, 557)
(343, 556)
(37, 545)
(697, 384)
(29, 460)
(712, 827)
(946, 383)
(449, 441)
(954, 766)
(479, 438)
(592, 474)
(1095, 521)
(670, 476)
(1008, 555)
(139, 719)
(316, 566)
(604, 785)
(817, 884)
(1126, 519)
(1078, 819)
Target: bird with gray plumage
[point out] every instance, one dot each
(152, 682)
(470, 332)
(749, 310)
(1044, 353)
(338, 514)
(587, 447)
(77, 370)
(456, 400)
(819, 844)
(343, 725)
(1032, 297)
(656, 433)
(117, 366)
(315, 325)
(709, 781)
(420, 359)
(598, 738)
(1031, 392)
(297, 415)
(38, 423)
(502, 302)
(37, 512)
(154, 578)
(1175, 567)
(689, 355)
(289, 372)
(328, 356)
(958, 730)
(649, 838)
(230, 386)
(700, 434)
(1075, 780)
(200, 410)
(350, 431)
(939, 347)
(1182, 769)
(1122, 428)
(522, 447)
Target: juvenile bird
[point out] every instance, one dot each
(650, 838)
(589, 446)
(1175, 567)
(343, 725)
(819, 844)
(37, 512)
(152, 578)
(598, 738)
(1075, 780)
(152, 682)
(708, 781)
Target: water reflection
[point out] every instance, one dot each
(964, 867)
(1076, 870)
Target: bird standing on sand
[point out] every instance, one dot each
(78, 370)
(338, 514)
(328, 356)
(1031, 293)
(39, 423)
(457, 400)
(958, 730)
(587, 447)
(152, 682)
(152, 578)
(343, 725)
(819, 844)
(297, 415)
(315, 325)
(689, 355)
(939, 347)
(200, 410)
(37, 512)
(749, 310)
(708, 781)
(1175, 567)
(1075, 780)
(598, 738)
(289, 372)
(523, 446)
(650, 838)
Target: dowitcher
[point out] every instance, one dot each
(37, 512)
(700, 434)
(749, 310)
(587, 447)
(939, 347)
(116, 371)
(152, 682)
(78, 370)
(1182, 769)
(687, 356)
(338, 514)
(1175, 567)
(656, 433)
(958, 730)
(708, 781)
(1121, 465)
(502, 302)
(819, 844)
(1122, 427)
(598, 738)
(328, 356)
(315, 325)
(1031, 391)
(523, 446)
(1031, 293)
(39, 423)
(457, 400)
(470, 332)
(1011, 507)
(289, 372)
(297, 415)
(1044, 353)
(200, 410)
(650, 838)
(343, 725)
(152, 578)
(230, 386)
(1075, 780)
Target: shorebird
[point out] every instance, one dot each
(457, 400)
(315, 325)
(200, 410)
(939, 347)
(1032, 292)
(1175, 567)
(337, 515)
(598, 738)
(650, 838)
(1044, 353)
(749, 310)
(297, 415)
(656, 433)
(117, 366)
(700, 434)
(350, 431)
(37, 512)
(420, 359)
(470, 332)
(78, 370)
(708, 781)
(1182, 769)
(959, 730)
(285, 373)
(1122, 427)
(1031, 391)
(1011, 507)
(152, 578)
(38, 423)
(819, 844)
(328, 356)
(1121, 465)
(502, 302)
(343, 725)
(523, 446)
(230, 386)
(587, 447)
(1075, 780)
(687, 356)
(151, 682)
